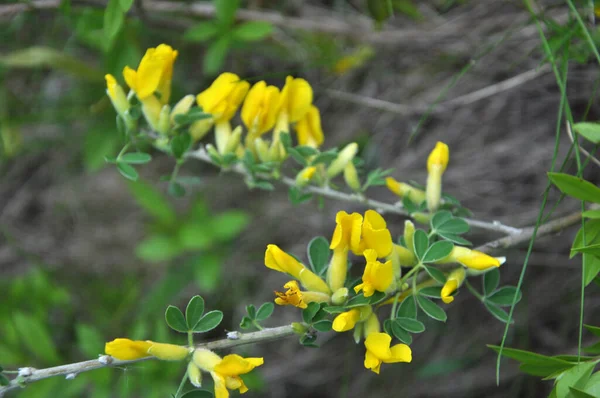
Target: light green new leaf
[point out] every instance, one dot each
(148, 198)
(575, 187)
(591, 214)
(113, 19)
(201, 32)
(128, 171)
(252, 31)
(125, 4)
(591, 131)
(318, 254)
(576, 377)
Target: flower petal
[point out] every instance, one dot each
(126, 349)
(234, 365)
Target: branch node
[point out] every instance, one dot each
(105, 359)
(71, 376)
(26, 372)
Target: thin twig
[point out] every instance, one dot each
(31, 375)
(382, 207)
(582, 150)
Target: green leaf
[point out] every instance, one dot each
(436, 274)
(491, 279)
(251, 310)
(308, 340)
(595, 330)
(214, 57)
(252, 31)
(198, 394)
(4, 380)
(454, 239)
(246, 323)
(36, 337)
(591, 131)
(399, 332)
(591, 214)
(421, 243)
(410, 325)
(440, 218)
(496, 311)
(504, 296)
(591, 267)
(201, 32)
(209, 321)
(592, 235)
(433, 291)
(228, 225)
(194, 311)
(175, 319)
(113, 20)
(455, 226)
(358, 300)
(438, 251)
(334, 309)
(576, 393)
(89, 340)
(310, 311)
(226, 11)
(125, 5)
(533, 363)
(158, 248)
(180, 145)
(318, 254)
(593, 385)
(577, 377)
(432, 309)
(296, 196)
(323, 326)
(408, 308)
(575, 187)
(265, 311)
(136, 158)
(176, 189)
(128, 171)
(193, 115)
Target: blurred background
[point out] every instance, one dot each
(86, 256)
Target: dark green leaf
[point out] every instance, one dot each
(197, 394)
(387, 327)
(528, 357)
(436, 274)
(496, 311)
(113, 20)
(400, 333)
(325, 157)
(318, 254)
(358, 300)
(438, 251)
(180, 144)
(194, 311)
(434, 292)
(595, 330)
(454, 239)
(175, 319)
(135, 158)
(285, 139)
(455, 226)
(264, 185)
(193, 115)
(226, 11)
(576, 393)
(125, 4)
(251, 310)
(214, 57)
(246, 323)
(128, 171)
(575, 187)
(323, 326)
(421, 243)
(491, 279)
(591, 267)
(504, 296)
(252, 31)
(308, 340)
(209, 321)
(306, 151)
(440, 218)
(591, 131)
(376, 297)
(4, 380)
(431, 309)
(297, 156)
(202, 31)
(334, 309)
(408, 308)
(544, 370)
(310, 311)
(265, 311)
(410, 325)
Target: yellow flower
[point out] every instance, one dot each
(377, 276)
(405, 190)
(379, 350)
(260, 109)
(154, 73)
(293, 296)
(375, 235)
(127, 349)
(347, 320)
(305, 175)
(346, 236)
(225, 372)
(436, 165)
(453, 282)
(308, 129)
(473, 259)
(277, 259)
(294, 102)
(117, 95)
(224, 96)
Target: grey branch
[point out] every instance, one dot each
(382, 207)
(31, 375)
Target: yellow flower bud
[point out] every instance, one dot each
(182, 107)
(168, 352)
(453, 282)
(340, 296)
(277, 259)
(260, 109)
(344, 157)
(194, 374)
(213, 151)
(262, 150)
(222, 135)
(277, 151)
(305, 175)
(402, 189)
(151, 108)
(234, 140)
(126, 349)
(351, 177)
(471, 259)
(422, 218)
(436, 165)
(294, 296)
(438, 158)
(117, 96)
(308, 129)
(223, 98)
(205, 359)
(347, 320)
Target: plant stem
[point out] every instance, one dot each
(395, 305)
(473, 290)
(181, 385)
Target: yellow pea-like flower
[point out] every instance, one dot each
(224, 96)
(294, 296)
(379, 351)
(377, 276)
(260, 109)
(153, 74)
(346, 236)
(277, 259)
(473, 259)
(126, 349)
(308, 129)
(403, 189)
(453, 282)
(436, 165)
(375, 235)
(294, 102)
(347, 320)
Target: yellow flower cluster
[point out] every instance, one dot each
(263, 107)
(225, 371)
